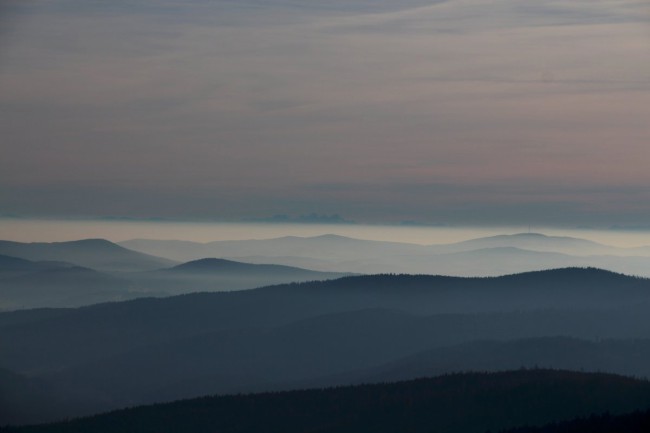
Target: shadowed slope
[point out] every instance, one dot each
(270, 338)
(635, 422)
(463, 403)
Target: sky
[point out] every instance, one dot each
(458, 112)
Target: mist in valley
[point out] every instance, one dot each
(148, 321)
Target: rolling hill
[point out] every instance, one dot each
(533, 242)
(327, 332)
(62, 287)
(213, 275)
(14, 266)
(98, 254)
(26, 284)
(490, 256)
(635, 422)
(325, 247)
(460, 403)
(626, 357)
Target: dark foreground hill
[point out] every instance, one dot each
(635, 422)
(461, 403)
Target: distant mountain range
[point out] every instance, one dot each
(491, 256)
(29, 284)
(326, 247)
(14, 266)
(212, 266)
(460, 403)
(533, 242)
(140, 343)
(97, 254)
(314, 334)
(67, 282)
(211, 274)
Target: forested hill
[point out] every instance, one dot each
(459, 403)
(346, 331)
(635, 422)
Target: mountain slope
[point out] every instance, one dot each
(282, 336)
(24, 398)
(14, 266)
(635, 422)
(626, 357)
(345, 348)
(27, 284)
(463, 403)
(97, 254)
(72, 286)
(213, 275)
(148, 321)
(531, 241)
(212, 266)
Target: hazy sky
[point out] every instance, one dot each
(457, 112)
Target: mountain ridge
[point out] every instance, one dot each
(99, 254)
(142, 350)
(494, 255)
(210, 264)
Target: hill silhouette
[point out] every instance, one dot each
(635, 422)
(27, 284)
(460, 403)
(213, 274)
(70, 286)
(325, 247)
(214, 265)
(97, 254)
(534, 242)
(14, 266)
(155, 320)
(489, 256)
(327, 332)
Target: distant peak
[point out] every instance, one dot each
(207, 263)
(327, 236)
(331, 236)
(576, 271)
(93, 242)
